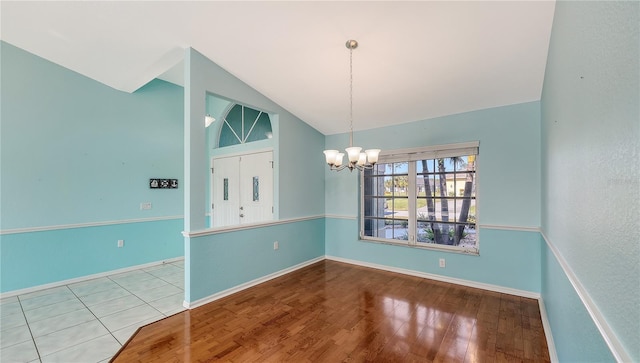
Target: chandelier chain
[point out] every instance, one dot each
(350, 96)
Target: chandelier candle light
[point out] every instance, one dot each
(358, 160)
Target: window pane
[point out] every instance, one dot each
(398, 206)
(441, 166)
(374, 227)
(227, 137)
(461, 165)
(256, 189)
(387, 170)
(261, 129)
(468, 237)
(464, 236)
(425, 166)
(400, 185)
(469, 186)
(448, 210)
(374, 186)
(440, 185)
(374, 207)
(388, 185)
(400, 168)
(425, 210)
(234, 119)
(424, 232)
(467, 211)
(397, 229)
(249, 117)
(443, 233)
(425, 186)
(446, 164)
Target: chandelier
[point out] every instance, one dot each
(357, 159)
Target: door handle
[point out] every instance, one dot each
(241, 215)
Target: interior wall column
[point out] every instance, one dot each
(195, 164)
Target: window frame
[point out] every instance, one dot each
(243, 135)
(412, 155)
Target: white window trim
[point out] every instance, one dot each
(415, 154)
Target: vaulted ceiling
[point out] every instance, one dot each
(415, 60)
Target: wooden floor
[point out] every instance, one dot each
(333, 312)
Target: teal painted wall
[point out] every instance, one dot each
(508, 187)
(38, 258)
(290, 136)
(225, 260)
(517, 252)
(590, 175)
(508, 163)
(74, 151)
(294, 197)
(575, 334)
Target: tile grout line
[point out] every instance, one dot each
(74, 345)
(143, 300)
(33, 339)
(20, 299)
(94, 315)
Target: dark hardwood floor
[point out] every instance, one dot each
(334, 312)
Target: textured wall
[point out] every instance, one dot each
(508, 182)
(77, 151)
(508, 258)
(508, 186)
(73, 152)
(590, 150)
(37, 258)
(220, 261)
(292, 138)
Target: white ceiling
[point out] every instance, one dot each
(416, 60)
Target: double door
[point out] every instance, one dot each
(242, 189)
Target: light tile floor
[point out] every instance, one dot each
(88, 321)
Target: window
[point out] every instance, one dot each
(244, 124)
(422, 197)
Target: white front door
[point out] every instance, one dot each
(226, 192)
(242, 189)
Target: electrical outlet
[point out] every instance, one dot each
(120, 243)
(145, 205)
(276, 245)
(443, 263)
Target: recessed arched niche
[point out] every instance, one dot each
(240, 149)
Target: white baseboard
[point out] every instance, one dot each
(246, 285)
(553, 354)
(453, 280)
(85, 278)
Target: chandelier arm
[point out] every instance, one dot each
(365, 167)
(337, 168)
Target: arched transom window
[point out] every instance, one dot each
(244, 124)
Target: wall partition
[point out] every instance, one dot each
(219, 261)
